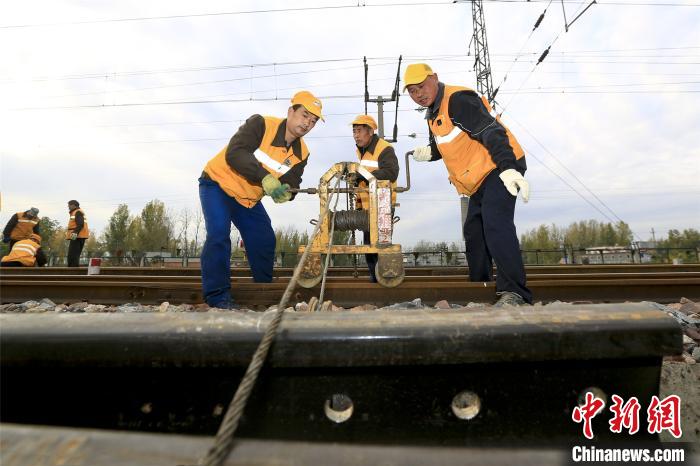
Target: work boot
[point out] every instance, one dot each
(508, 298)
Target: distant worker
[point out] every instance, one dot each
(266, 156)
(76, 233)
(485, 162)
(25, 253)
(21, 225)
(378, 157)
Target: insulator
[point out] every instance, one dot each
(544, 55)
(539, 20)
(346, 220)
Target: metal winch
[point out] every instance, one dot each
(377, 218)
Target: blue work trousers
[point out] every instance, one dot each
(220, 210)
(489, 232)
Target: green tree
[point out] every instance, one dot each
(542, 245)
(686, 242)
(116, 235)
(132, 238)
(93, 248)
(624, 234)
(156, 227)
(57, 250)
(47, 230)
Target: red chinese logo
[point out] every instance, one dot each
(587, 412)
(661, 415)
(665, 415)
(625, 415)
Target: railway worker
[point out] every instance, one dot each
(266, 156)
(25, 253)
(378, 157)
(76, 233)
(20, 226)
(485, 162)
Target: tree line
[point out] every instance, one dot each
(182, 233)
(592, 233)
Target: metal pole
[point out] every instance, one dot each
(380, 117)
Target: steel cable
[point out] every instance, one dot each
(223, 443)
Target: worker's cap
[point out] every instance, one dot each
(416, 74)
(36, 238)
(309, 102)
(33, 211)
(365, 120)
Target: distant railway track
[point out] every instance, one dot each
(361, 270)
(583, 284)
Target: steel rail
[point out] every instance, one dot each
(347, 292)
(243, 271)
(412, 278)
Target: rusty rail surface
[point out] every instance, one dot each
(350, 291)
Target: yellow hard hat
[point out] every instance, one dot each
(309, 102)
(365, 120)
(416, 74)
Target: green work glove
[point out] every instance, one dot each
(284, 196)
(277, 191)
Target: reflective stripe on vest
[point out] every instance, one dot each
(370, 163)
(24, 252)
(274, 159)
(468, 162)
(271, 164)
(449, 137)
(24, 227)
(370, 160)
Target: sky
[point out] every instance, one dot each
(125, 102)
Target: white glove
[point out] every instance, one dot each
(73, 236)
(422, 154)
(514, 181)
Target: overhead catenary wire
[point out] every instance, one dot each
(541, 58)
(316, 8)
(572, 174)
(250, 66)
(517, 57)
(179, 102)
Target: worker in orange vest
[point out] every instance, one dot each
(266, 156)
(485, 162)
(20, 226)
(25, 253)
(377, 156)
(76, 233)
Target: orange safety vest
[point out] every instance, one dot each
(274, 159)
(370, 161)
(468, 162)
(24, 228)
(24, 252)
(85, 232)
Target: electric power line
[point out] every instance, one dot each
(316, 8)
(573, 175)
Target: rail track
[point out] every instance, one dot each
(361, 270)
(583, 283)
(430, 379)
